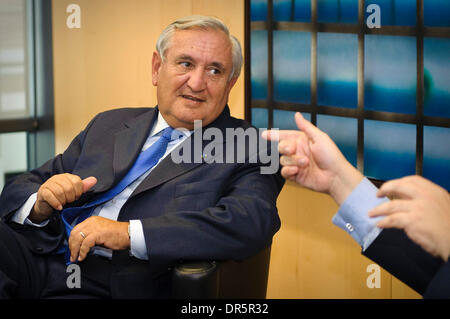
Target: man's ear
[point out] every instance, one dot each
(156, 64)
(231, 83)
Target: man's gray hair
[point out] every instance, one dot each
(205, 23)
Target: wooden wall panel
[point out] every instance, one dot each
(312, 258)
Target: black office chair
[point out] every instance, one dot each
(227, 279)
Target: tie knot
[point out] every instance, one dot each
(167, 133)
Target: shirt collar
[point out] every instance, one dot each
(161, 124)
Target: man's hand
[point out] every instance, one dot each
(419, 207)
(58, 191)
(311, 159)
(97, 231)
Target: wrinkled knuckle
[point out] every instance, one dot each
(67, 189)
(59, 192)
(283, 160)
(44, 192)
(75, 179)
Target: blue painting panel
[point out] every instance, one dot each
(390, 74)
(337, 56)
(292, 66)
(395, 12)
(337, 11)
(437, 77)
(258, 70)
(285, 120)
(436, 13)
(436, 155)
(292, 10)
(344, 132)
(389, 149)
(258, 10)
(260, 117)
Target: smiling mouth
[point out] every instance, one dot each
(192, 98)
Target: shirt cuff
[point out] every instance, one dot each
(21, 216)
(138, 248)
(353, 217)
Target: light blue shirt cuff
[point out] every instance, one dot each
(138, 247)
(353, 217)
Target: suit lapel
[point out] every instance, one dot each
(129, 141)
(167, 169)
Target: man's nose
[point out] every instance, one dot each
(197, 80)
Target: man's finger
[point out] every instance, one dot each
(49, 198)
(390, 207)
(88, 183)
(77, 184)
(305, 126)
(294, 160)
(289, 171)
(398, 220)
(86, 246)
(68, 189)
(75, 239)
(287, 147)
(398, 188)
(277, 135)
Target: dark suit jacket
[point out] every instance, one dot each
(396, 253)
(188, 211)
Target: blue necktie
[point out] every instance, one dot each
(146, 160)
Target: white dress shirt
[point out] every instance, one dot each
(111, 208)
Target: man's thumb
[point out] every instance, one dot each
(305, 126)
(88, 183)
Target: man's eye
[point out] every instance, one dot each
(214, 71)
(186, 64)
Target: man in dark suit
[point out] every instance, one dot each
(192, 210)
(412, 242)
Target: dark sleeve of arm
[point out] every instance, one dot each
(241, 223)
(19, 189)
(396, 253)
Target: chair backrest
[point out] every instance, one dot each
(226, 279)
(245, 279)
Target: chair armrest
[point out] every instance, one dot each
(195, 280)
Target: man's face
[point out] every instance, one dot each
(193, 81)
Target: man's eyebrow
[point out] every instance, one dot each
(186, 57)
(218, 65)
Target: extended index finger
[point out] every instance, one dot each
(277, 135)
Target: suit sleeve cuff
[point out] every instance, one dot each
(137, 240)
(353, 217)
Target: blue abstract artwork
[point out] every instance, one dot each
(395, 12)
(284, 120)
(292, 66)
(437, 77)
(337, 11)
(344, 132)
(390, 74)
(389, 149)
(337, 69)
(436, 13)
(258, 68)
(258, 10)
(260, 117)
(436, 155)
